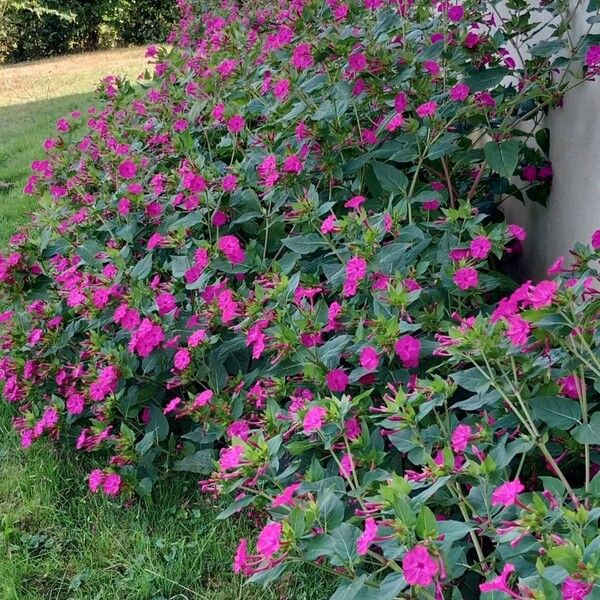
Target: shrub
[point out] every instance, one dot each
(253, 272)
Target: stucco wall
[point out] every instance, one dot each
(573, 209)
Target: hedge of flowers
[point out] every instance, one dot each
(282, 266)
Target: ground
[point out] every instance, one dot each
(58, 541)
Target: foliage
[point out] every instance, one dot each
(260, 261)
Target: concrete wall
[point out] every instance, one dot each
(573, 209)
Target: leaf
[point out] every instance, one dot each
(390, 179)
(304, 244)
(547, 48)
(388, 589)
(502, 157)
(344, 544)
(589, 433)
(331, 511)
(329, 353)
(426, 523)
(142, 269)
(157, 423)
(472, 380)
(201, 461)
(485, 79)
(88, 252)
(556, 411)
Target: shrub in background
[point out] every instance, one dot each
(253, 272)
(30, 30)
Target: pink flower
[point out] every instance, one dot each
(459, 92)
(166, 303)
(529, 173)
(357, 62)
(240, 562)
(518, 330)
(285, 497)
(229, 182)
(418, 566)
(146, 338)
(269, 540)
(230, 246)
(75, 404)
(542, 294)
(369, 358)
(570, 386)
(292, 164)
(395, 122)
(571, 588)
(182, 359)
(302, 57)
(480, 247)
(127, 169)
(507, 494)
(356, 270)
(354, 202)
(430, 205)
(408, 349)
(517, 232)
(456, 13)
(236, 123)
(466, 278)
(367, 536)
(432, 67)
(329, 225)
(112, 484)
(336, 380)
(281, 89)
(313, 419)
(592, 56)
(427, 109)
(460, 438)
(203, 398)
(231, 457)
(499, 584)
(95, 480)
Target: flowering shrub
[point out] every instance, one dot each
(251, 271)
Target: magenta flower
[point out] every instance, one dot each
(357, 62)
(367, 536)
(182, 359)
(369, 358)
(418, 567)
(517, 232)
(395, 122)
(356, 270)
(127, 169)
(507, 494)
(336, 380)
(112, 484)
(236, 123)
(229, 182)
(592, 56)
(240, 562)
(459, 92)
(499, 584)
(576, 590)
(302, 57)
(456, 13)
(354, 202)
(313, 419)
(285, 498)
(427, 109)
(95, 480)
(542, 294)
(466, 278)
(281, 89)
(230, 246)
(231, 457)
(596, 240)
(518, 330)
(269, 540)
(569, 386)
(480, 247)
(460, 438)
(408, 349)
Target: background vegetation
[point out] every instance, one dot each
(31, 29)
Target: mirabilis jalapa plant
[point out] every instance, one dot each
(250, 271)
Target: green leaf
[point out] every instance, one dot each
(588, 433)
(199, 462)
(472, 380)
(143, 268)
(331, 511)
(426, 523)
(502, 156)
(304, 244)
(556, 411)
(344, 544)
(390, 179)
(565, 556)
(485, 79)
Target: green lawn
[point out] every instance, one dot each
(58, 541)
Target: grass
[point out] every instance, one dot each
(32, 97)
(58, 541)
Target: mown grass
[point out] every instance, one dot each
(58, 541)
